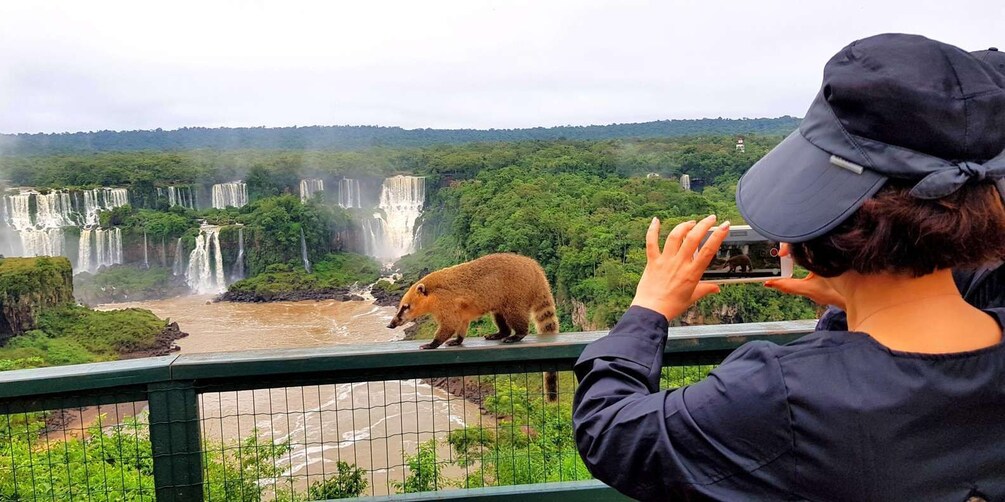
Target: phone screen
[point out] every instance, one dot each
(746, 256)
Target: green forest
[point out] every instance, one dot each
(579, 207)
(365, 137)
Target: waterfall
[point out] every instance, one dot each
(146, 264)
(238, 272)
(309, 187)
(348, 193)
(18, 211)
(178, 268)
(102, 199)
(39, 219)
(401, 199)
(53, 210)
(233, 194)
(205, 263)
(45, 242)
(180, 196)
(303, 251)
(107, 247)
(84, 262)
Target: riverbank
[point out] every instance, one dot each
(254, 296)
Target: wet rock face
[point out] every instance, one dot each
(28, 286)
(386, 298)
(164, 345)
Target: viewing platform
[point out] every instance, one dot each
(385, 421)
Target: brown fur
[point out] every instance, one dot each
(511, 287)
(740, 261)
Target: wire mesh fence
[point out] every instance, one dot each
(289, 427)
(75, 452)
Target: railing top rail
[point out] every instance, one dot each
(377, 356)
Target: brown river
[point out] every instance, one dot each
(369, 424)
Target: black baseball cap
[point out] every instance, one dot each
(890, 106)
(993, 57)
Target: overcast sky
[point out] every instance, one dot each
(92, 65)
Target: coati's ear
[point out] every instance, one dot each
(421, 288)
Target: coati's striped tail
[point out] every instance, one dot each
(545, 318)
(546, 321)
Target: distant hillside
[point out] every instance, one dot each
(358, 137)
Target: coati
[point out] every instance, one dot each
(740, 261)
(512, 287)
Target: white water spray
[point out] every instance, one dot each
(303, 251)
(178, 267)
(349, 193)
(233, 194)
(393, 232)
(309, 187)
(205, 263)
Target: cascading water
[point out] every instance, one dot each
(85, 262)
(230, 194)
(18, 212)
(309, 187)
(180, 196)
(205, 263)
(238, 272)
(348, 193)
(401, 199)
(44, 242)
(53, 210)
(108, 246)
(146, 263)
(303, 251)
(178, 267)
(102, 199)
(39, 219)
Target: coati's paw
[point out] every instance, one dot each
(455, 342)
(428, 346)
(495, 336)
(512, 339)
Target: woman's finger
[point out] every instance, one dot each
(702, 290)
(653, 240)
(676, 237)
(708, 250)
(693, 238)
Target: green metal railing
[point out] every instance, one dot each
(377, 420)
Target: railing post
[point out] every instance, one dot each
(175, 439)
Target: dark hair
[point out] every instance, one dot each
(896, 233)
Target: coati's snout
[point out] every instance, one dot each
(406, 310)
(398, 318)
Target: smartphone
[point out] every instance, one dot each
(746, 256)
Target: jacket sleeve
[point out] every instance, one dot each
(652, 444)
(833, 319)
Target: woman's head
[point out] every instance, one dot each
(894, 232)
(893, 168)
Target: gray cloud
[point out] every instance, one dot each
(70, 66)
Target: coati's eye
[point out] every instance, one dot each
(404, 307)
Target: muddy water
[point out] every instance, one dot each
(369, 424)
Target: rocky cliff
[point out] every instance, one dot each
(28, 285)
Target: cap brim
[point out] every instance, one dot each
(794, 193)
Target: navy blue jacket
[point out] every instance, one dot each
(832, 416)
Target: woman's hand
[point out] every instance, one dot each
(669, 284)
(812, 286)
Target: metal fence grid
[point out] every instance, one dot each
(305, 425)
(74, 452)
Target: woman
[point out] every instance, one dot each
(892, 178)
